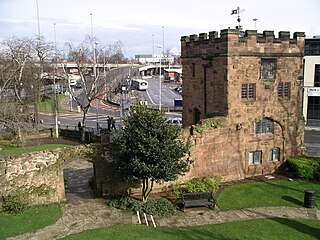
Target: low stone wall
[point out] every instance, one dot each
(39, 174)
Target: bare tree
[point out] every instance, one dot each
(114, 53)
(22, 64)
(90, 79)
(95, 85)
(42, 55)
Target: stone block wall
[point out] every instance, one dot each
(214, 69)
(38, 174)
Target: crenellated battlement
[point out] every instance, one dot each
(266, 36)
(230, 41)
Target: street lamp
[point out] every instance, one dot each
(94, 46)
(54, 85)
(95, 81)
(159, 46)
(163, 41)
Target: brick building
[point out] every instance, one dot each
(250, 85)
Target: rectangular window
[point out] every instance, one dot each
(248, 91)
(264, 126)
(312, 49)
(317, 75)
(284, 90)
(268, 69)
(275, 154)
(255, 157)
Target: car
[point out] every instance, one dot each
(78, 85)
(175, 120)
(178, 89)
(73, 83)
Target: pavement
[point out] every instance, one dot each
(84, 212)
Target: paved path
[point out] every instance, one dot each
(203, 217)
(83, 212)
(94, 214)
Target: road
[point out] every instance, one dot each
(99, 111)
(168, 94)
(312, 142)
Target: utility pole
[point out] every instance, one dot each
(54, 86)
(95, 74)
(159, 77)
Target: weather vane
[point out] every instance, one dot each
(238, 11)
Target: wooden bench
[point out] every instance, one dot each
(197, 199)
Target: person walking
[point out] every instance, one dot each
(109, 123)
(79, 126)
(113, 123)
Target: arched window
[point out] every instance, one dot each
(264, 126)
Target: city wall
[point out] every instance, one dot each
(39, 174)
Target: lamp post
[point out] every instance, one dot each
(94, 46)
(159, 46)
(95, 79)
(55, 86)
(163, 40)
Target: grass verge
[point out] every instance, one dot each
(265, 193)
(47, 104)
(252, 229)
(31, 219)
(19, 151)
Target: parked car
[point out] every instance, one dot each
(175, 120)
(178, 89)
(78, 85)
(73, 83)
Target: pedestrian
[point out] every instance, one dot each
(109, 123)
(79, 126)
(113, 123)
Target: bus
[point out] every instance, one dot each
(139, 84)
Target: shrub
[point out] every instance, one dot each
(160, 207)
(7, 144)
(306, 168)
(7, 135)
(14, 203)
(125, 203)
(208, 123)
(205, 184)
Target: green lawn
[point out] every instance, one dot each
(47, 104)
(19, 151)
(252, 229)
(256, 194)
(266, 193)
(31, 219)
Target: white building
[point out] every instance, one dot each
(154, 59)
(311, 98)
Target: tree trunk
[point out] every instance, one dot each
(19, 137)
(84, 119)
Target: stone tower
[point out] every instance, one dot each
(253, 83)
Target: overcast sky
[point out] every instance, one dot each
(142, 24)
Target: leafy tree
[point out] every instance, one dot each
(149, 149)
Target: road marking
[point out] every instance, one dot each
(150, 97)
